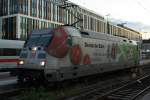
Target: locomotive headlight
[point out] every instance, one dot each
(34, 49)
(42, 63)
(21, 62)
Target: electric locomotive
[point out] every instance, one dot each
(65, 53)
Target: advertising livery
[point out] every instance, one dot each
(65, 52)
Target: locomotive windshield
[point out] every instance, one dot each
(39, 40)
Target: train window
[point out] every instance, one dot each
(33, 40)
(84, 33)
(130, 41)
(125, 40)
(43, 41)
(42, 55)
(23, 55)
(9, 52)
(39, 40)
(24, 49)
(1, 52)
(18, 51)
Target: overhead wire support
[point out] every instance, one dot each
(72, 8)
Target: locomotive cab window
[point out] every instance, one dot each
(84, 33)
(39, 40)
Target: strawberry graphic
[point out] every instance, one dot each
(86, 59)
(60, 43)
(114, 51)
(76, 54)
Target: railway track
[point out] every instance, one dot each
(146, 70)
(101, 91)
(7, 91)
(130, 91)
(91, 92)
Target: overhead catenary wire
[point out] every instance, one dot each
(143, 6)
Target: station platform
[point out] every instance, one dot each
(144, 62)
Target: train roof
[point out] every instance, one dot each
(87, 34)
(97, 35)
(103, 36)
(42, 31)
(11, 43)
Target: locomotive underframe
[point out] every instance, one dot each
(65, 73)
(29, 74)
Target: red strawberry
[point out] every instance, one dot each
(76, 54)
(86, 60)
(114, 51)
(58, 47)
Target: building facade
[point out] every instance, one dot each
(19, 17)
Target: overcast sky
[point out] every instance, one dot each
(136, 13)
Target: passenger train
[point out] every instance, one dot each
(9, 54)
(65, 53)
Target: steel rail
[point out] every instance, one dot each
(130, 91)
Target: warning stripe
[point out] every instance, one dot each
(8, 60)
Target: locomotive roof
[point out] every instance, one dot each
(103, 36)
(97, 35)
(87, 34)
(42, 31)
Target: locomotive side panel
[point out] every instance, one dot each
(87, 56)
(94, 51)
